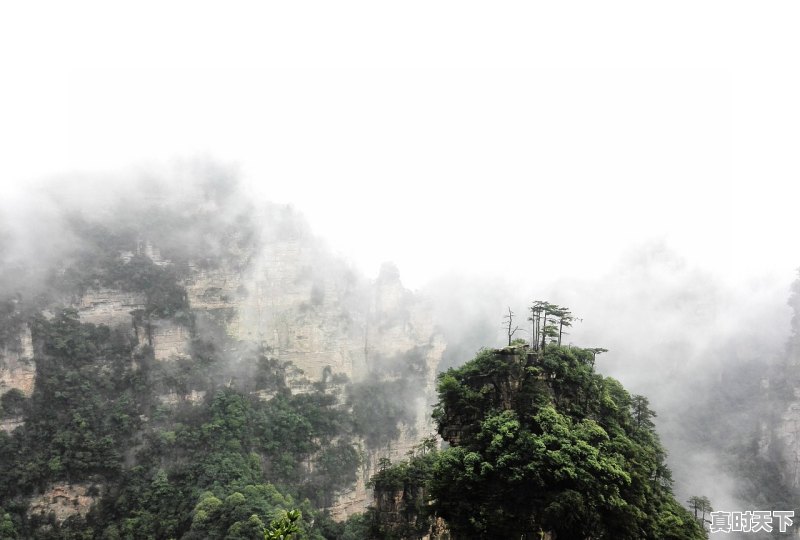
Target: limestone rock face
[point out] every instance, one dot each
(291, 296)
(64, 500)
(306, 307)
(316, 312)
(168, 339)
(10, 424)
(17, 368)
(219, 293)
(173, 398)
(109, 307)
(115, 308)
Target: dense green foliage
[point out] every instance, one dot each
(379, 408)
(244, 454)
(412, 517)
(539, 442)
(208, 444)
(96, 415)
(283, 528)
(98, 264)
(83, 410)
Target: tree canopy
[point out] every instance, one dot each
(540, 442)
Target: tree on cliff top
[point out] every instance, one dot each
(539, 442)
(508, 325)
(569, 451)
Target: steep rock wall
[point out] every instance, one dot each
(110, 307)
(168, 339)
(305, 306)
(316, 312)
(17, 367)
(313, 310)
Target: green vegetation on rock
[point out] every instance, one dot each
(539, 442)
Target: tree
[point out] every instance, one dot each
(7, 529)
(565, 319)
(12, 403)
(640, 408)
(595, 351)
(509, 322)
(283, 528)
(700, 504)
(543, 322)
(538, 313)
(551, 447)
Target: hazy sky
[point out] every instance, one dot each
(482, 138)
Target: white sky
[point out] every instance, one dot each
(482, 137)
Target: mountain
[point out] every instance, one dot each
(172, 350)
(540, 446)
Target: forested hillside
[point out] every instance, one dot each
(196, 367)
(540, 444)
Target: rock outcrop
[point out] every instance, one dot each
(110, 307)
(17, 367)
(289, 295)
(11, 423)
(315, 312)
(63, 500)
(311, 309)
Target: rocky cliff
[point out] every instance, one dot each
(283, 292)
(17, 367)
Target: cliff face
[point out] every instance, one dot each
(109, 306)
(288, 294)
(17, 367)
(17, 371)
(305, 307)
(314, 311)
